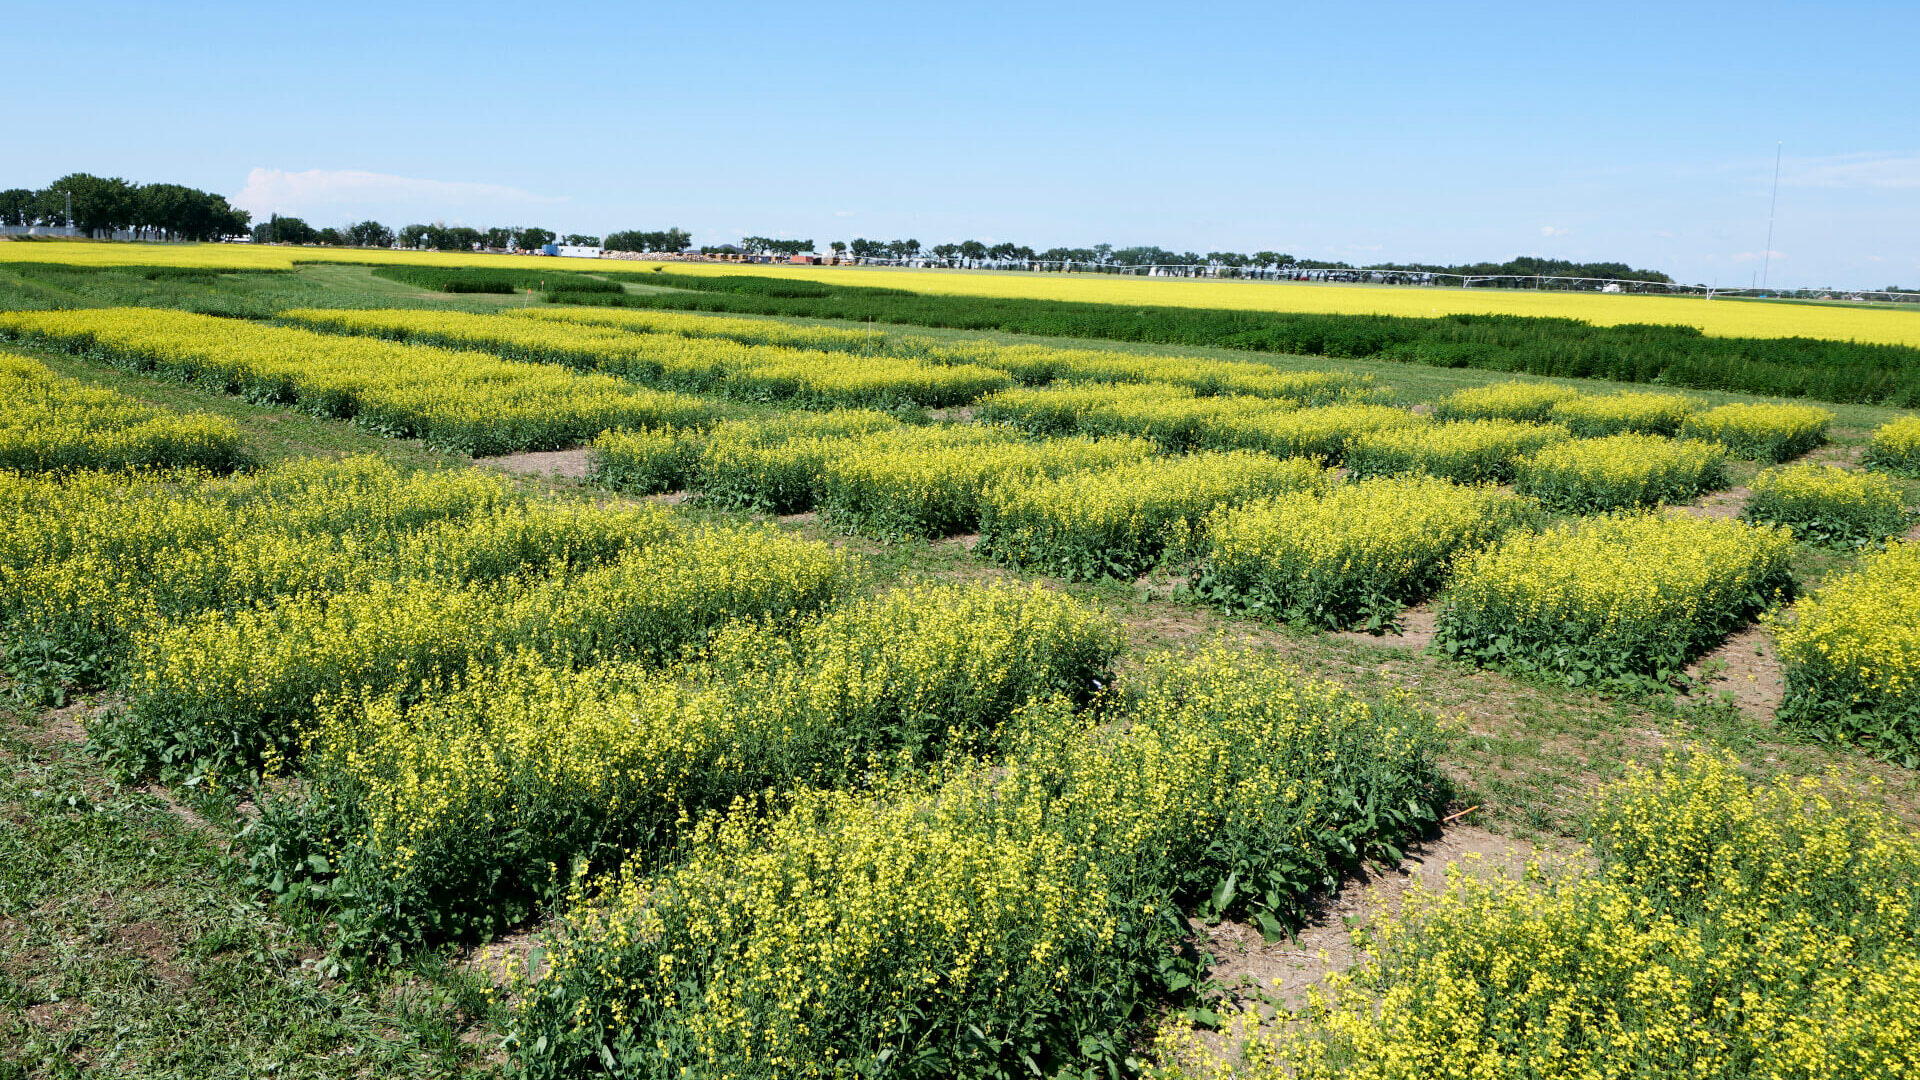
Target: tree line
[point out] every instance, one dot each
(97, 204)
(973, 253)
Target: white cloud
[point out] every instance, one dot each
(843, 213)
(270, 191)
(1552, 230)
(1755, 256)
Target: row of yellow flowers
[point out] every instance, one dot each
(454, 817)
(999, 917)
(469, 401)
(50, 423)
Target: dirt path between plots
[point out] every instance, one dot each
(570, 464)
(1414, 634)
(1720, 504)
(1253, 970)
(1746, 669)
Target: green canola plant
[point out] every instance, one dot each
(1350, 559)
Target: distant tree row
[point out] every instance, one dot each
(634, 240)
(95, 204)
(280, 229)
(973, 252)
(1529, 266)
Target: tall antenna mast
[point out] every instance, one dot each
(1766, 255)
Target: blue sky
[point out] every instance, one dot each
(1432, 132)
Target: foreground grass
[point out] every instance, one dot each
(130, 945)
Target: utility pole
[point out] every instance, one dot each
(1766, 255)
(69, 194)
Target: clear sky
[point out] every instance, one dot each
(1433, 132)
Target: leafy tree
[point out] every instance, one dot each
(459, 238)
(634, 240)
(1271, 258)
(283, 230)
(16, 207)
(184, 213)
(369, 234)
(839, 248)
(99, 203)
(973, 251)
(581, 240)
(1142, 256)
(532, 239)
(1079, 255)
(330, 236)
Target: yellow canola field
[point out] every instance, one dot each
(1721, 318)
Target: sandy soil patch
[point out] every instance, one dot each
(1414, 634)
(1253, 970)
(1720, 504)
(1744, 668)
(570, 464)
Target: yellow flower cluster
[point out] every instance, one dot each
(1466, 452)
(1528, 402)
(1895, 446)
(1826, 504)
(1323, 433)
(90, 558)
(1612, 600)
(247, 679)
(1592, 415)
(1773, 432)
(893, 487)
(997, 913)
(49, 423)
(1354, 557)
(1120, 522)
(1852, 655)
(1725, 931)
(779, 466)
(647, 462)
(1621, 472)
(614, 761)
(466, 401)
(706, 364)
(1173, 416)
